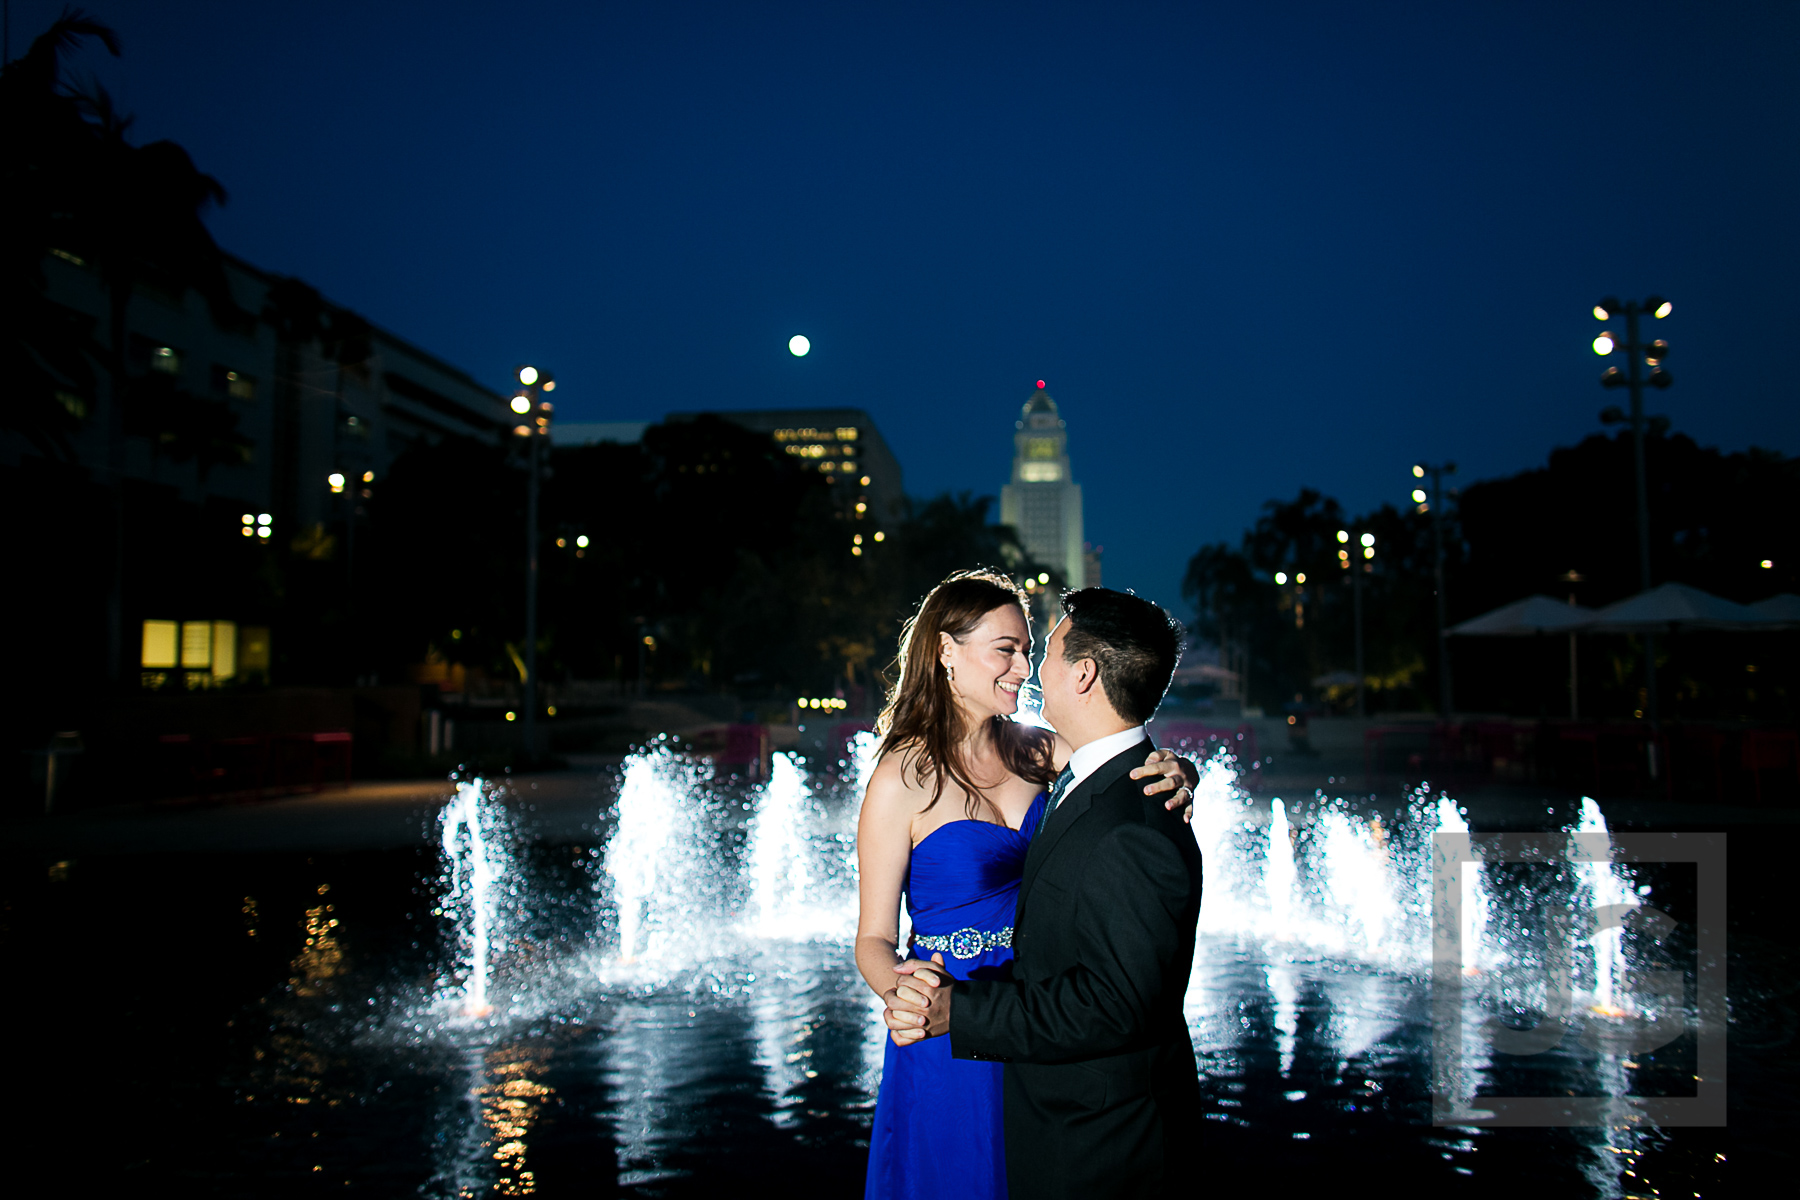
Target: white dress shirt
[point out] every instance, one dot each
(1091, 757)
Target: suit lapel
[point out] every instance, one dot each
(1077, 802)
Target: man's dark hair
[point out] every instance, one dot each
(1135, 643)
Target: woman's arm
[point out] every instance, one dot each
(883, 853)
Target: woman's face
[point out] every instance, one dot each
(991, 663)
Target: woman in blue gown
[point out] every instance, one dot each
(956, 793)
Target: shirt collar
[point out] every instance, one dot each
(1091, 757)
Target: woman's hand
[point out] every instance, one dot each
(1168, 772)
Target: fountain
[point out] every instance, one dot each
(474, 864)
(722, 933)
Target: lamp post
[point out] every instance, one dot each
(534, 413)
(1358, 565)
(1433, 503)
(1638, 354)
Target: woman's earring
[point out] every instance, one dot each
(949, 672)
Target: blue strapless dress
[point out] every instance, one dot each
(938, 1128)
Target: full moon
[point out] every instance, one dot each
(799, 345)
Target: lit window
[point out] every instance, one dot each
(1040, 472)
(880, 536)
(861, 507)
(1040, 447)
(196, 643)
(846, 433)
(159, 645)
(224, 649)
(865, 481)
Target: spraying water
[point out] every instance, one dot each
(1604, 886)
(474, 868)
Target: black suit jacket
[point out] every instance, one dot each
(1102, 1095)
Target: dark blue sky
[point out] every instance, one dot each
(1250, 247)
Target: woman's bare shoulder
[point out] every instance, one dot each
(894, 784)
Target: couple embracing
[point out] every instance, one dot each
(1037, 1045)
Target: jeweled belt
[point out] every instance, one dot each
(966, 943)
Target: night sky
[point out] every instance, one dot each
(1250, 247)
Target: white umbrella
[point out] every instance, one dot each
(1534, 614)
(1674, 607)
(1783, 609)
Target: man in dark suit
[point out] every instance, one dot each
(1102, 1095)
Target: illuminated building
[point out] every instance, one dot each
(842, 444)
(1043, 502)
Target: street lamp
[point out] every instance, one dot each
(1638, 354)
(1432, 502)
(534, 413)
(1357, 558)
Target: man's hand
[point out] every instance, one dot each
(918, 1005)
(1170, 772)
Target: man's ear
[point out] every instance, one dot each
(1085, 676)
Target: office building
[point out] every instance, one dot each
(843, 445)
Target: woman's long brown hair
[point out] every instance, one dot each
(921, 719)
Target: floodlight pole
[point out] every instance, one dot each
(1637, 353)
(1437, 474)
(531, 590)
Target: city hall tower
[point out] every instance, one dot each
(1042, 502)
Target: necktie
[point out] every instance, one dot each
(1057, 791)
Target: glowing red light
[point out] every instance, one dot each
(1040, 385)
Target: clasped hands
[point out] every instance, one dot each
(918, 1005)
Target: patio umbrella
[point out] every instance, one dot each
(1534, 614)
(1782, 609)
(1675, 607)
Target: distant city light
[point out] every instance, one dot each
(865, 481)
(262, 531)
(1281, 577)
(582, 541)
(528, 375)
(1418, 495)
(1043, 577)
(1300, 578)
(551, 710)
(880, 536)
(368, 477)
(1603, 345)
(521, 404)
(857, 540)
(798, 345)
(1343, 535)
(561, 543)
(249, 518)
(1768, 564)
(336, 480)
(264, 519)
(1664, 309)
(1600, 314)
(248, 530)
(1368, 539)
(1040, 385)
(512, 716)
(861, 507)
(1368, 552)
(549, 385)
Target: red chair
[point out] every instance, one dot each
(315, 748)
